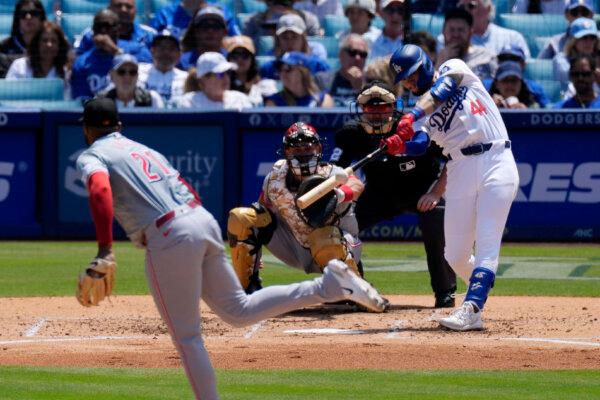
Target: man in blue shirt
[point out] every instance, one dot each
(177, 16)
(90, 70)
(582, 76)
(394, 14)
(133, 38)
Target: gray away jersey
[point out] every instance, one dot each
(144, 184)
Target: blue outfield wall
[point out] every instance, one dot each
(226, 155)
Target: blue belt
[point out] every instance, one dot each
(479, 148)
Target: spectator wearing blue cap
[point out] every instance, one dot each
(90, 70)
(488, 34)
(508, 89)
(132, 37)
(299, 87)
(125, 90)
(573, 9)
(162, 76)
(176, 17)
(205, 33)
(583, 39)
(207, 86)
(581, 74)
(516, 54)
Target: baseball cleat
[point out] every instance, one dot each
(444, 300)
(353, 287)
(464, 318)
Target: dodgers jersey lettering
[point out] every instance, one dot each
(469, 116)
(143, 183)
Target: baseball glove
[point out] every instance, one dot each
(97, 282)
(322, 212)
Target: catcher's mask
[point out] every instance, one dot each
(376, 108)
(302, 149)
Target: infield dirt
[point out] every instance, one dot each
(521, 333)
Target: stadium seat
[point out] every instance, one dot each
(534, 25)
(331, 44)
(334, 63)
(378, 22)
(8, 6)
(332, 24)
(74, 24)
(428, 23)
(503, 7)
(552, 90)
(264, 46)
(262, 60)
(32, 89)
(539, 70)
(537, 44)
(252, 6)
(5, 24)
(158, 4)
(242, 19)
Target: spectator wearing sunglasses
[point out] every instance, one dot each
(207, 86)
(162, 76)
(246, 79)
(205, 33)
(344, 84)
(583, 39)
(176, 17)
(485, 32)
(299, 87)
(90, 70)
(508, 89)
(573, 9)
(395, 14)
(132, 37)
(360, 14)
(291, 36)
(28, 17)
(515, 54)
(125, 90)
(581, 75)
(457, 30)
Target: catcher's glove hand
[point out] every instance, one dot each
(96, 282)
(322, 212)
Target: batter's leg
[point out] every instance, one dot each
(459, 234)
(443, 278)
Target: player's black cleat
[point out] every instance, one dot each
(444, 300)
(255, 283)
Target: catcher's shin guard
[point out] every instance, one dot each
(328, 244)
(247, 229)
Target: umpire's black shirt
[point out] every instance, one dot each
(398, 180)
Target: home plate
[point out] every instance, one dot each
(327, 331)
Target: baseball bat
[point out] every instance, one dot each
(330, 183)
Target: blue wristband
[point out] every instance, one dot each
(418, 112)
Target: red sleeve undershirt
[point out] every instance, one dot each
(191, 189)
(101, 205)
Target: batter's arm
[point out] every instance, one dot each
(442, 89)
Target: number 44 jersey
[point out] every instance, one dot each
(144, 184)
(469, 116)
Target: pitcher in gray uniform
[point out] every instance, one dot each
(185, 258)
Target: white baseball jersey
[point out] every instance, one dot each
(143, 183)
(469, 116)
(168, 84)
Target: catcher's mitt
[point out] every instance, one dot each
(322, 212)
(96, 282)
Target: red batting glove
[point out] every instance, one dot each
(395, 145)
(405, 127)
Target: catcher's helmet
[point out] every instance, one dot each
(376, 108)
(409, 59)
(302, 149)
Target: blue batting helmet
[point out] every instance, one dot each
(407, 59)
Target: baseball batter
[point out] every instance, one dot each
(457, 113)
(185, 258)
(301, 241)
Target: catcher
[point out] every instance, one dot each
(306, 239)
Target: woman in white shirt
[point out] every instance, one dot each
(207, 86)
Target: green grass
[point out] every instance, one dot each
(51, 268)
(36, 383)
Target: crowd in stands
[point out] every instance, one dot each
(206, 54)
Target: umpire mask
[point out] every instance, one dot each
(376, 108)
(302, 149)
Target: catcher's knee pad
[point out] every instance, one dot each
(244, 228)
(327, 244)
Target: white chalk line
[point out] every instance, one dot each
(327, 331)
(70, 339)
(35, 328)
(557, 341)
(255, 328)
